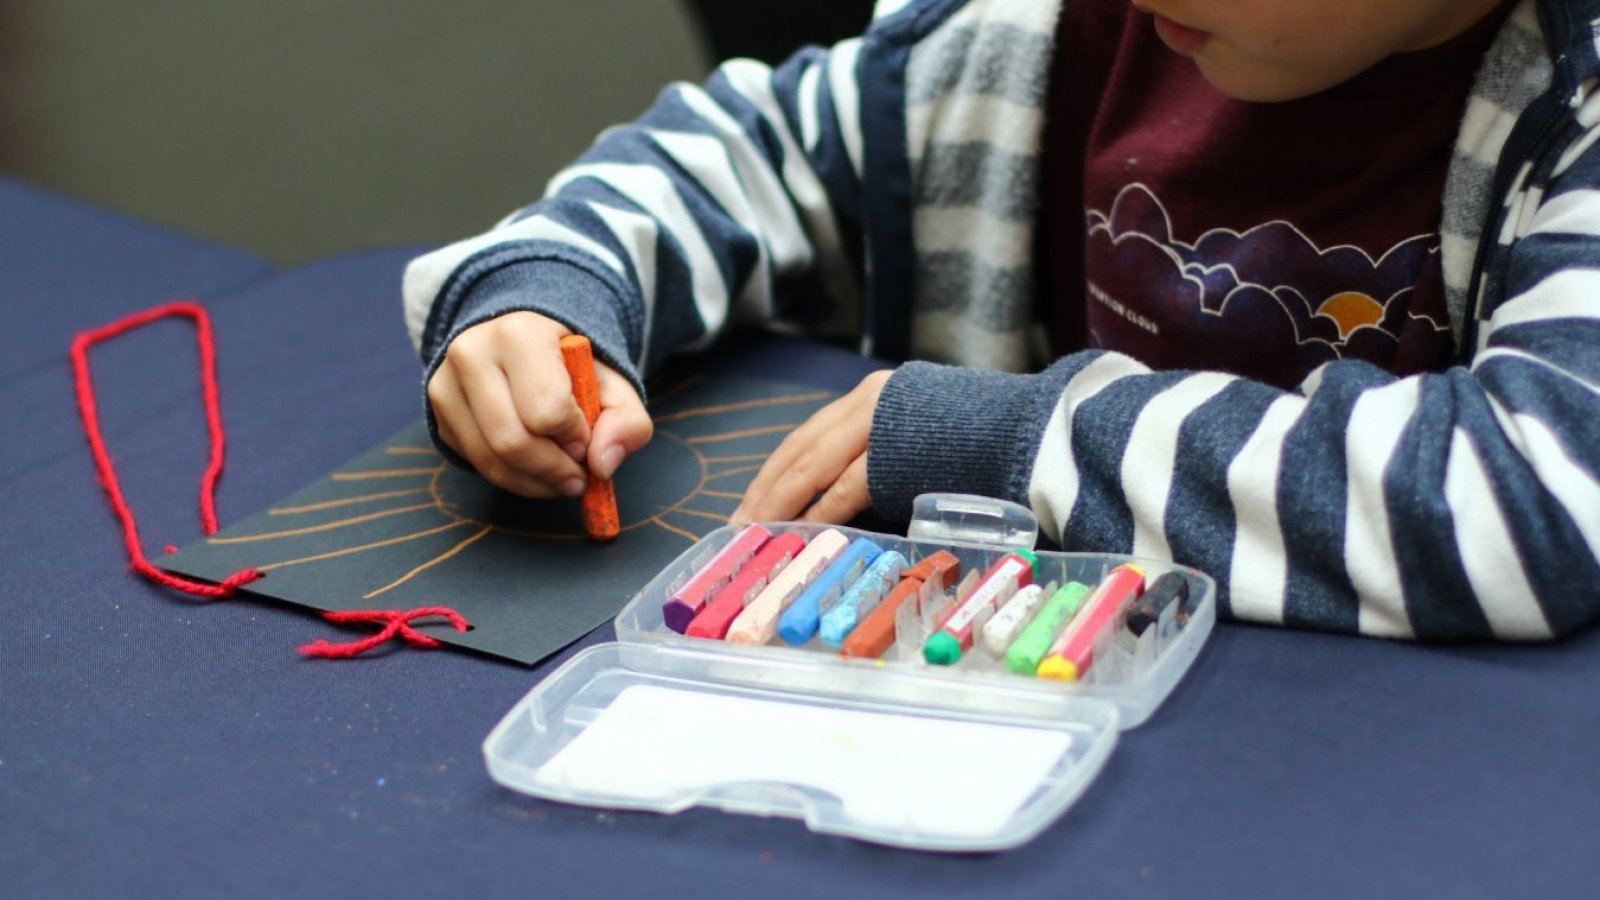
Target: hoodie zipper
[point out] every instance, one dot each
(1534, 127)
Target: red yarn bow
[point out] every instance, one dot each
(396, 622)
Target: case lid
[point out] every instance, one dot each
(896, 758)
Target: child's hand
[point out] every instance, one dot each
(826, 455)
(502, 399)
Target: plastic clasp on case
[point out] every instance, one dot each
(966, 519)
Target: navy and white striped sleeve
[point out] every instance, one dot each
(1458, 505)
(732, 200)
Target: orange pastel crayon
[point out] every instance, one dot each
(600, 517)
(941, 566)
(875, 635)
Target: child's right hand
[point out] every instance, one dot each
(502, 399)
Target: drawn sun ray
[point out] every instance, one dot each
(741, 470)
(664, 524)
(737, 407)
(381, 473)
(485, 530)
(783, 428)
(659, 398)
(399, 526)
(325, 526)
(343, 501)
(362, 548)
(720, 518)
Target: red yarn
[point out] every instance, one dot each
(395, 623)
(90, 412)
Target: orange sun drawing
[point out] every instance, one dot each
(400, 527)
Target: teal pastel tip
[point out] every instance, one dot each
(1031, 557)
(942, 650)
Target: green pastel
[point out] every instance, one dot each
(1024, 654)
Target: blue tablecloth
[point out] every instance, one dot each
(152, 745)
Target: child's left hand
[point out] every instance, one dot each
(826, 455)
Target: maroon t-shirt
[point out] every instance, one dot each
(1263, 239)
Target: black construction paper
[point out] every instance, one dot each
(400, 528)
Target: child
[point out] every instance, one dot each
(1322, 278)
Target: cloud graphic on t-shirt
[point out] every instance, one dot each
(1335, 298)
(1285, 335)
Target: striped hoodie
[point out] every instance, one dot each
(886, 189)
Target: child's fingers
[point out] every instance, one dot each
(495, 412)
(450, 411)
(445, 399)
(757, 500)
(808, 461)
(540, 388)
(460, 433)
(624, 425)
(846, 497)
(814, 457)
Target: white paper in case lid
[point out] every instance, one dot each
(656, 746)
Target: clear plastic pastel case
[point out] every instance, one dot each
(969, 757)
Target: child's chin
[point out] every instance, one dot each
(1253, 86)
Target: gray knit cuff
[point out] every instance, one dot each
(944, 428)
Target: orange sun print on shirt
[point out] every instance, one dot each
(1322, 298)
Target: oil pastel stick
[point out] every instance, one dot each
(759, 621)
(1073, 652)
(713, 621)
(954, 636)
(998, 633)
(600, 517)
(687, 601)
(875, 635)
(1163, 592)
(862, 597)
(799, 622)
(1029, 649)
(939, 572)
(940, 567)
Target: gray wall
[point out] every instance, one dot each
(303, 127)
